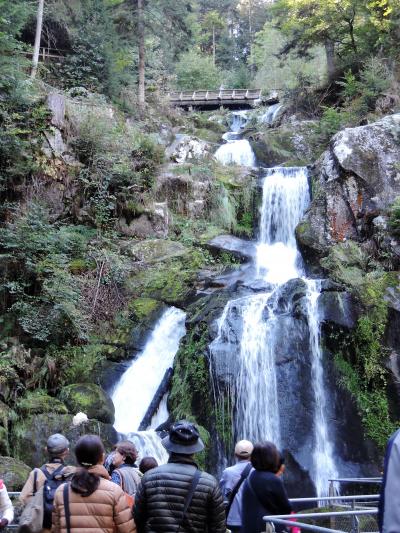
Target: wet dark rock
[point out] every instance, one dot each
(240, 248)
(339, 308)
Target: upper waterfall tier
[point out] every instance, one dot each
(137, 387)
(285, 198)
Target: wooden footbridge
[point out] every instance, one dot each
(214, 99)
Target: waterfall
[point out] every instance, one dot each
(138, 385)
(271, 113)
(324, 466)
(236, 151)
(285, 199)
(257, 334)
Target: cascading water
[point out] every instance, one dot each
(270, 115)
(324, 466)
(236, 151)
(285, 198)
(138, 385)
(257, 334)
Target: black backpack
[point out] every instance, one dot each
(53, 481)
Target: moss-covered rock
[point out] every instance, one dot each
(29, 435)
(13, 472)
(4, 444)
(346, 263)
(90, 399)
(6, 414)
(40, 402)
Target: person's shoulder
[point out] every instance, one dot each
(208, 479)
(109, 486)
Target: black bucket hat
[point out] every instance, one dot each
(183, 438)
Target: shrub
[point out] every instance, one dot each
(394, 217)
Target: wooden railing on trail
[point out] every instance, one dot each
(212, 98)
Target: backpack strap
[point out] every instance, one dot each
(66, 507)
(189, 496)
(35, 476)
(243, 476)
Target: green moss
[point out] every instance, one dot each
(141, 308)
(78, 266)
(89, 399)
(224, 422)
(346, 263)
(39, 402)
(361, 358)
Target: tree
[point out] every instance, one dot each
(36, 49)
(195, 71)
(142, 65)
(213, 23)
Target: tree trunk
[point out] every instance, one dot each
(36, 50)
(213, 38)
(141, 36)
(330, 59)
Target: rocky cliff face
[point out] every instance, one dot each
(354, 183)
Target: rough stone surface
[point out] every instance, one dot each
(13, 472)
(153, 222)
(240, 248)
(29, 435)
(355, 180)
(339, 308)
(186, 148)
(89, 399)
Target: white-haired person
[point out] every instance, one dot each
(231, 481)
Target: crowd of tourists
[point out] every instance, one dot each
(112, 494)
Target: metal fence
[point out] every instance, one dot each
(340, 514)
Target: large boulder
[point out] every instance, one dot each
(186, 148)
(37, 402)
(355, 181)
(90, 399)
(13, 472)
(30, 434)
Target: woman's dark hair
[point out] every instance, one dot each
(89, 451)
(147, 463)
(265, 456)
(128, 450)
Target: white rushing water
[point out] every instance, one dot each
(324, 466)
(236, 151)
(138, 385)
(285, 199)
(271, 113)
(254, 391)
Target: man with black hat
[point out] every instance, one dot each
(178, 496)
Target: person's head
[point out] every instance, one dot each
(147, 463)
(265, 456)
(243, 450)
(57, 446)
(183, 438)
(125, 452)
(89, 452)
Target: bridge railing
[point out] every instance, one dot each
(222, 94)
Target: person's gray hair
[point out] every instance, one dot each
(57, 444)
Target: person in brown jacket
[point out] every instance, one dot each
(91, 502)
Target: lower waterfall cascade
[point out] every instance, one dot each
(136, 389)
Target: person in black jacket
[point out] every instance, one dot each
(263, 490)
(178, 496)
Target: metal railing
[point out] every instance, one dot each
(352, 524)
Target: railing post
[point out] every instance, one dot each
(247, 94)
(355, 527)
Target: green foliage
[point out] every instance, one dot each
(195, 72)
(394, 217)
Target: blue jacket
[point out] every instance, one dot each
(230, 477)
(389, 503)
